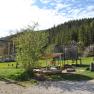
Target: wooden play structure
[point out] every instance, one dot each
(54, 59)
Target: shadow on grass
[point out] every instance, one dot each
(75, 77)
(64, 76)
(9, 81)
(27, 76)
(17, 78)
(81, 65)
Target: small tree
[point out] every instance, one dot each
(29, 44)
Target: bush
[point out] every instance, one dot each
(26, 75)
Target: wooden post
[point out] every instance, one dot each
(8, 48)
(76, 62)
(80, 61)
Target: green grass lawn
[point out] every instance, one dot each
(7, 65)
(8, 70)
(10, 73)
(85, 72)
(81, 71)
(85, 61)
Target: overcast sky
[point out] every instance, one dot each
(16, 14)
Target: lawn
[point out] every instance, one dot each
(81, 71)
(10, 73)
(8, 70)
(85, 61)
(7, 65)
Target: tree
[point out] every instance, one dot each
(29, 47)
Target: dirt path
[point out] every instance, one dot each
(49, 87)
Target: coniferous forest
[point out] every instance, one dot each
(81, 31)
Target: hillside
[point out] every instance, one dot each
(81, 31)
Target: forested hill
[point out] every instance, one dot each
(81, 31)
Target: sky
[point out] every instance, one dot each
(18, 14)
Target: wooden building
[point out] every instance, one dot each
(7, 50)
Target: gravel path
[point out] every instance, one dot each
(49, 87)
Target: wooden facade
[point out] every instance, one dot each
(7, 49)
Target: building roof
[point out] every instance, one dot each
(53, 55)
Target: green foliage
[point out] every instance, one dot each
(81, 31)
(29, 47)
(11, 73)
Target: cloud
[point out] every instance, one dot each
(47, 17)
(16, 14)
(45, 1)
(60, 6)
(83, 12)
